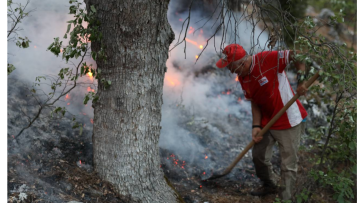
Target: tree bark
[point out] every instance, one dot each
(136, 39)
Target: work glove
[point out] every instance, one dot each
(256, 131)
(301, 89)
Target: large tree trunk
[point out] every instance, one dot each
(136, 39)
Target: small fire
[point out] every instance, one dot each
(191, 30)
(200, 186)
(171, 80)
(61, 50)
(80, 161)
(194, 43)
(68, 103)
(236, 79)
(90, 90)
(91, 121)
(204, 173)
(196, 56)
(239, 99)
(89, 74)
(228, 92)
(67, 97)
(206, 157)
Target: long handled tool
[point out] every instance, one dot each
(218, 174)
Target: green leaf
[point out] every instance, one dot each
(10, 68)
(352, 145)
(68, 28)
(65, 36)
(82, 70)
(93, 8)
(86, 99)
(81, 130)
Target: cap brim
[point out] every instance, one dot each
(222, 63)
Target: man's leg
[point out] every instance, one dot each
(289, 141)
(262, 153)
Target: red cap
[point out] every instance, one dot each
(233, 52)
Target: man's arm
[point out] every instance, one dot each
(256, 114)
(300, 67)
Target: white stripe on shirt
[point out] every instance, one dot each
(293, 112)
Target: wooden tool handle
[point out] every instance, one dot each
(267, 127)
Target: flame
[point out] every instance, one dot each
(194, 43)
(90, 90)
(191, 30)
(190, 41)
(171, 80)
(200, 186)
(196, 56)
(80, 161)
(91, 121)
(239, 99)
(206, 157)
(228, 92)
(236, 79)
(89, 74)
(204, 173)
(67, 97)
(68, 103)
(61, 50)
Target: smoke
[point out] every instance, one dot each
(196, 92)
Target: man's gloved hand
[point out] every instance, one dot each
(256, 131)
(301, 89)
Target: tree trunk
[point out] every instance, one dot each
(136, 39)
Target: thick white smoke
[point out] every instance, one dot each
(201, 96)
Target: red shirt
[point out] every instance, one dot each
(268, 86)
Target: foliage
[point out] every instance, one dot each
(338, 83)
(345, 8)
(16, 13)
(295, 8)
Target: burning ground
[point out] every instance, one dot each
(50, 162)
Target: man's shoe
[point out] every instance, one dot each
(264, 190)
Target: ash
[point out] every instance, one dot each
(51, 162)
